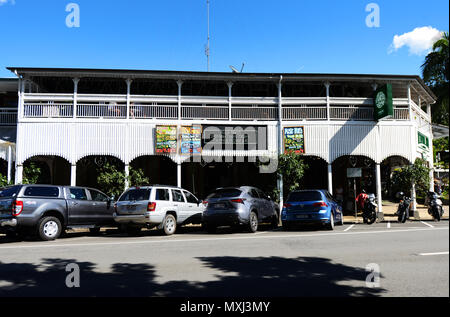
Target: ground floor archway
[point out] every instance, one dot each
(346, 188)
(388, 166)
(159, 169)
(89, 167)
(53, 170)
(316, 176)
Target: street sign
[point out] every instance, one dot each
(354, 172)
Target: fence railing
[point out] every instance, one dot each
(242, 108)
(8, 116)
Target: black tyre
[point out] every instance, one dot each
(94, 231)
(49, 228)
(169, 225)
(253, 222)
(133, 230)
(437, 214)
(330, 225)
(286, 226)
(275, 221)
(402, 216)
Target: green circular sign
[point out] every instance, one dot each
(380, 100)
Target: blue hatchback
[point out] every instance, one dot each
(311, 206)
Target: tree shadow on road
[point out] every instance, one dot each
(234, 276)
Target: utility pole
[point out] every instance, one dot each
(207, 45)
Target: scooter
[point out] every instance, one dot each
(435, 208)
(370, 209)
(404, 207)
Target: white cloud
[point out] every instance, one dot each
(419, 41)
(2, 2)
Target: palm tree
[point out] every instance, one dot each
(435, 72)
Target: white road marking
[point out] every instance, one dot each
(431, 226)
(54, 244)
(435, 253)
(389, 224)
(347, 229)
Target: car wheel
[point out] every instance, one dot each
(331, 224)
(169, 225)
(275, 221)
(253, 222)
(49, 228)
(286, 226)
(94, 231)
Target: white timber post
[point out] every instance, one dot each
(230, 86)
(179, 172)
(413, 149)
(9, 163)
(379, 193)
(19, 166)
(75, 98)
(280, 138)
(73, 174)
(180, 84)
(128, 81)
(327, 86)
(127, 173)
(330, 179)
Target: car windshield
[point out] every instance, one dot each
(224, 193)
(304, 196)
(136, 194)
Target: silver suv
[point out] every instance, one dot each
(165, 207)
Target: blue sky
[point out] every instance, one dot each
(305, 36)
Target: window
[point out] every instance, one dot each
(304, 196)
(177, 196)
(97, 196)
(38, 191)
(261, 194)
(135, 194)
(252, 192)
(9, 191)
(162, 194)
(190, 198)
(78, 194)
(226, 193)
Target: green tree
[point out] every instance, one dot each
(3, 180)
(292, 168)
(112, 180)
(440, 145)
(31, 173)
(435, 73)
(418, 173)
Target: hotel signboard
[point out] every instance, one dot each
(191, 139)
(294, 140)
(383, 105)
(166, 140)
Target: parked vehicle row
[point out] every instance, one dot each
(48, 210)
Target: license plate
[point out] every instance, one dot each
(302, 216)
(219, 206)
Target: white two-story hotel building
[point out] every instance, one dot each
(72, 120)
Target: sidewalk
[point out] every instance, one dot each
(390, 208)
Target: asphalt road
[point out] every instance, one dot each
(412, 258)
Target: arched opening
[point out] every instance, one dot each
(53, 170)
(88, 169)
(316, 175)
(3, 167)
(159, 169)
(352, 174)
(388, 165)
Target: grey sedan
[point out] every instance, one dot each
(239, 206)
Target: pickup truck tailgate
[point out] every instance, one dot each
(6, 207)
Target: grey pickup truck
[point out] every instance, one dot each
(48, 210)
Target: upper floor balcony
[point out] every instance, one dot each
(132, 107)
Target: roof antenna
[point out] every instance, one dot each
(234, 70)
(207, 45)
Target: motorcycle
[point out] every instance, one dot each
(435, 208)
(370, 209)
(404, 207)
